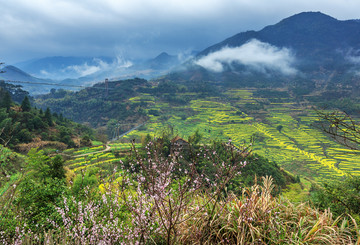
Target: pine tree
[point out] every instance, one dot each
(25, 104)
(6, 101)
(48, 117)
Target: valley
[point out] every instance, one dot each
(253, 140)
(300, 146)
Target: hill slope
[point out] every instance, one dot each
(17, 76)
(311, 50)
(310, 34)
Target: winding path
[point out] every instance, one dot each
(108, 147)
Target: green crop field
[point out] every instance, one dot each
(282, 131)
(298, 146)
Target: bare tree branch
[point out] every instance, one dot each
(341, 127)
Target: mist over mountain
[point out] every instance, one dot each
(76, 72)
(309, 45)
(60, 68)
(309, 34)
(30, 83)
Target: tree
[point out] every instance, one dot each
(195, 138)
(8, 128)
(41, 190)
(57, 168)
(48, 117)
(341, 127)
(85, 141)
(341, 196)
(25, 104)
(6, 101)
(279, 128)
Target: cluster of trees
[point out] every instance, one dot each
(98, 104)
(111, 102)
(23, 123)
(37, 193)
(16, 92)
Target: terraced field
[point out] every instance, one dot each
(96, 156)
(297, 145)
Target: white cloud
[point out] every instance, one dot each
(41, 28)
(354, 59)
(84, 70)
(255, 54)
(100, 65)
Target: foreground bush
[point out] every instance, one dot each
(165, 199)
(254, 218)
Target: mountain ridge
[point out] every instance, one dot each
(312, 25)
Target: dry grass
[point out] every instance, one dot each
(254, 218)
(258, 218)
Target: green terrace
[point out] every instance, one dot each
(284, 132)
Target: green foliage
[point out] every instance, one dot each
(38, 200)
(341, 196)
(38, 165)
(25, 104)
(85, 182)
(10, 164)
(16, 92)
(25, 125)
(41, 190)
(48, 117)
(6, 100)
(57, 168)
(195, 138)
(100, 106)
(85, 141)
(255, 167)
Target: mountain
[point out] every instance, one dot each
(309, 47)
(96, 68)
(59, 67)
(16, 74)
(310, 34)
(32, 84)
(163, 61)
(86, 71)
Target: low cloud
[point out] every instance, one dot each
(87, 68)
(254, 54)
(354, 58)
(98, 65)
(83, 70)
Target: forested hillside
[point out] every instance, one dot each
(23, 127)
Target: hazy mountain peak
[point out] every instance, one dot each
(13, 69)
(162, 55)
(309, 17)
(308, 33)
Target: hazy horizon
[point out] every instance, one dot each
(139, 29)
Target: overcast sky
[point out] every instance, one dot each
(140, 28)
